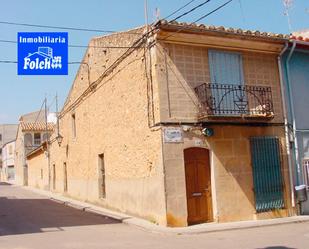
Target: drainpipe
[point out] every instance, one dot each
(291, 104)
(286, 126)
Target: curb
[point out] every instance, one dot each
(151, 227)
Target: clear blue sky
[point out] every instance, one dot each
(22, 94)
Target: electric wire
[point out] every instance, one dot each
(15, 62)
(213, 11)
(182, 7)
(199, 19)
(75, 46)
(56, 27)
(37, 117)
(191, 10)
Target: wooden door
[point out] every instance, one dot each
(65, 178)
(198, 185)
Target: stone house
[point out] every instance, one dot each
(31, 132)
(7, 134)
(182, 125)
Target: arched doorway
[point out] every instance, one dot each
(198, 185)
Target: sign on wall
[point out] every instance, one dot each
(42, 53)
(173, 135)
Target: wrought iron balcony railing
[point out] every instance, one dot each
(235, 100)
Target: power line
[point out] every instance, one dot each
(107, 72)
(182, 7)
(191, 10)
(75, 46)
(36, 119)
(213, 11)
(15, 62)
(200, 18)
(56, 27)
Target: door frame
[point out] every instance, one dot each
(212, 179)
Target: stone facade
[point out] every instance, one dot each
(30, 135)
(112, 120)
(38, 175)
(113, 153)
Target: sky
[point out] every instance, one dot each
(23, 94)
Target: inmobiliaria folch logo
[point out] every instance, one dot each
(42, 53)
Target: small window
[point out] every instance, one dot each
(73, 126)
(306, 171)
(37, 138)
(28, 140)
(0, 137)
(102, 187)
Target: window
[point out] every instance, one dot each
(226, 73)
(37, 138)
(102, 187)
(306, 171)
(73, 126)
(0, 137)
(267, 175)
(225, 67)
(28, 140)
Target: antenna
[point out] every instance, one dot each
(146, 13)
(287, 6)
(157, 14)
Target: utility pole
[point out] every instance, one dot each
(47, 143)
(57, 116)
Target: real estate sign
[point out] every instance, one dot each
(42, 53)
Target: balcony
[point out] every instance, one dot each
(228, 101)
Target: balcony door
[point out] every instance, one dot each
(226, 73)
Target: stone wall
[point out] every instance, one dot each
(231, 173)
(187, 67)
(38, 170)
(112, 120)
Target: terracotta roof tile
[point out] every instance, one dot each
(203, 27)
(37, 126)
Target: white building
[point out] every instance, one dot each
(8, 162)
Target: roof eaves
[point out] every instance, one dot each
(192, 27)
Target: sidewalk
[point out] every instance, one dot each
(148, 226)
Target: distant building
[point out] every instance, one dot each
(8, 164)
(7, 134)
(32, 132)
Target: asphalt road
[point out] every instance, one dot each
(28, 220)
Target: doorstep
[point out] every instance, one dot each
(151, 227)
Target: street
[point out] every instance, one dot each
(29, 220)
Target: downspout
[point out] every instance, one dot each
(286, 126)
(291, 104)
